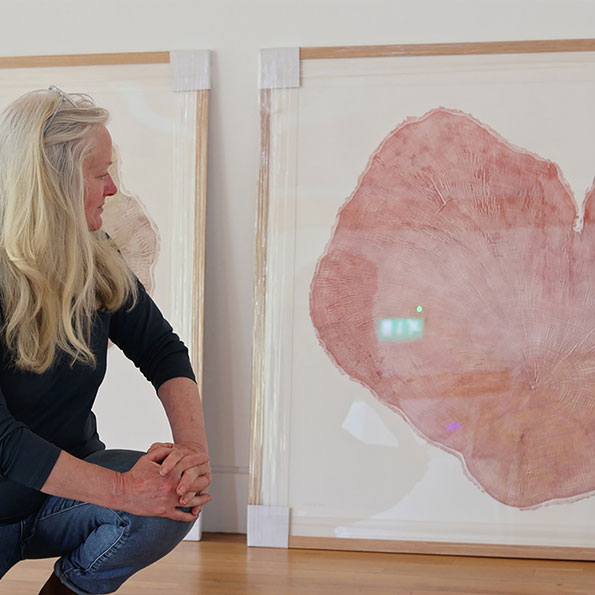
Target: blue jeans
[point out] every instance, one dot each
(99, 548)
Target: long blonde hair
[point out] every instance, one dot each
(54, 273)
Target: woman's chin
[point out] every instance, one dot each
(94, 225)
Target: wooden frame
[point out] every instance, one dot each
(184, 118)
(84, 59)
(273, 406)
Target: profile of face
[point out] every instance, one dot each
(98, 181)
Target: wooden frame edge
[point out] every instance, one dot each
(444, 548)
(84, 59)
(259, 296)
(448, 49)
(200, 226)
(199, 245)
(257, 404)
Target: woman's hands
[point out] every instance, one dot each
(166, 478)
(190, 463)
(167, 481)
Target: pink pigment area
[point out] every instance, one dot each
(125, 220)
(450, 217)
(129, 225)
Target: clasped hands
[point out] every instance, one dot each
(169, 478)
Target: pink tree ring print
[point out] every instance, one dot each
(459, 287)
(130, 226)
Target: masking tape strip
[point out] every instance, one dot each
(279, 68)
(190, 70)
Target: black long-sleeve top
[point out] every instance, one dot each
(42, 414)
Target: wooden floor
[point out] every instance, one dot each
(223, 565)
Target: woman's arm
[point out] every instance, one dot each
(148, 340)
(143, 490)
(162, 480)
(183, 408)
(189, 455)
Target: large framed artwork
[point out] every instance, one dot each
(424, 343)
(159, 125)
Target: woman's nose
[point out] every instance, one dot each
(110, 187)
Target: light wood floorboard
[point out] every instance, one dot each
(223, 565)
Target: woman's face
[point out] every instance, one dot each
(98, 182)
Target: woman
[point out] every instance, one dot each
(64, 291)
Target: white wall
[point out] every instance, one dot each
(235, 30)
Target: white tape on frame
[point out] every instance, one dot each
(279, 68)
(268, 526)
(190, 70)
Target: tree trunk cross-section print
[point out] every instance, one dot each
(131, 228)
(459, 287)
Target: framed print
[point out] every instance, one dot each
(158, 104)
(423, 357)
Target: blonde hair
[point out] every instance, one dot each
(54, 273)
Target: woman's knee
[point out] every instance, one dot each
(152, 535)
(115, 459)
(118, 549)
(157, 535)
